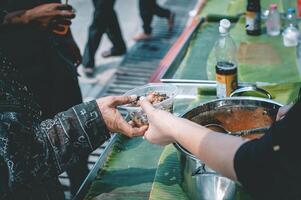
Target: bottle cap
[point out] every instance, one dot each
(273, 6)
(291, 10)
(224, 26)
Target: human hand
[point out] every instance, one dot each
(51, 15)
(113, 119)
(161, 130)
(282, 111)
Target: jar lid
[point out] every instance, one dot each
(273, 6)
(291, 10)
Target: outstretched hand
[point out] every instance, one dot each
(160, 130)
(113, 119)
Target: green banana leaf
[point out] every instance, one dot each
(128, 173)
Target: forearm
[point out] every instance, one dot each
(14, 18)
(215, 149)
(78, 131)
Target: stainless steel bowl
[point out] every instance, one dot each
(199, 181)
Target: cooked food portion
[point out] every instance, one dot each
(243, 119)
(156, 97)
(138, 121)
(153, 97)
(238, 119)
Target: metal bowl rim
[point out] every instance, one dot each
(183, 151)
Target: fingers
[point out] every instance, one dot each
(64, 7)
(62, 10)
(60, 22)
(64, 13)
(130, 131)
(65, 22)
(146, 106)
(121, 100)
(152, 139)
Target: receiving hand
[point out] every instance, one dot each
(160, 130)
(50, 15)
(113, 119)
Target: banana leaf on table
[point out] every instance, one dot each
(128, 173)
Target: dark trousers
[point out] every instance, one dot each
(104, 21)
(149, 8)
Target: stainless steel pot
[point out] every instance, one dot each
(199, 181)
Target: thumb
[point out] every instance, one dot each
(121, 100)
(146, 106)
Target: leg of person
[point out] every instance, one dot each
(146, 13)
(115, 35)
(96, 30)
(165, 13)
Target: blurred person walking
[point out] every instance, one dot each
(46, 60)
(104, 21)
(149, 8)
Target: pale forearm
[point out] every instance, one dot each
(215, 149)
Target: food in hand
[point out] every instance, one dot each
(154, 98)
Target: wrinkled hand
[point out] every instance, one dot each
(282, 111)
(160, 130)
(113, 118)
(50, 15)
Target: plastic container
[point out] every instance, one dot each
(291, 17)
(136, 113)
(226, 61)
(291, 33)
(273, 23)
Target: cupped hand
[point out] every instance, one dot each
(113, 119)
(50, 15)
(161, 130)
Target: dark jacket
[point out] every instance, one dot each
(33, 152)
(47, 61)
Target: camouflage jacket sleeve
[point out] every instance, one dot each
(33, 152)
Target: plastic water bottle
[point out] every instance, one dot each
(273, 23)
(291, 33)
(226, 61)
(291, 17)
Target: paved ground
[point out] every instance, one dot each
(129, 19)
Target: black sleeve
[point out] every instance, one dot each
(3, 13)
(269, 168)
(40, 151)
(80, 130)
